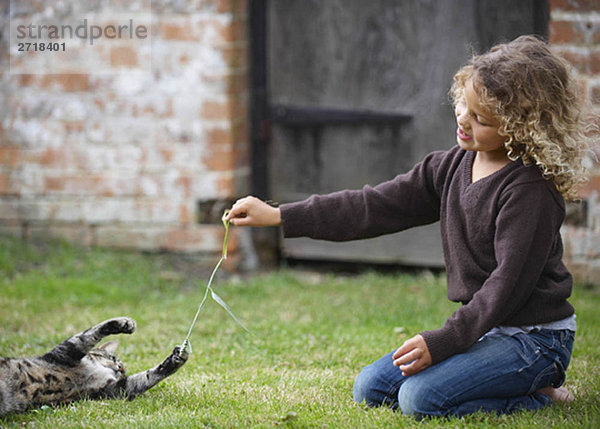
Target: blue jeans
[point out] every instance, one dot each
(499, 373)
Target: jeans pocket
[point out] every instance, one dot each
(552, 375)
(529, 350)
(562, 347)
(566, 346)
(556, 347)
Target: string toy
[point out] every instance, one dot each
(214, 296)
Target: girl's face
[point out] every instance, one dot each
(477, 128)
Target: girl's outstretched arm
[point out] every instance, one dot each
(251, 211)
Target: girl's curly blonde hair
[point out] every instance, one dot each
(529, 90)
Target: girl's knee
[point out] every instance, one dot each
(372, 389)
(416, 398)
(378, 383)
(363, 386)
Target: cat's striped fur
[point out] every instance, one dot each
(76, 370)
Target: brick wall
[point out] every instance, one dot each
(149, 160)
(122, 158)
(575, 34)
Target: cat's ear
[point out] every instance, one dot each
(110, 347)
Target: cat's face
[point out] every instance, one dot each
(103, 359)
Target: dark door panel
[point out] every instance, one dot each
(354, 92)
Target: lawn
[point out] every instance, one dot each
(310, 335)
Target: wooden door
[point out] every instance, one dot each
(354, 92)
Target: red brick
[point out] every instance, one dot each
(181, 239)
(242, 156)
(231, 185)
(66, 82)
(216, 137)
(594, 63)
(90, 185)
(575, 5)
(53, 158)
(54, 184)
(71, 185)
(586, 190)
(185, 183)
(595, 95)
(29, 80)
(123, 56)
(184, 59)
(235, 31)
(143, 109)
(240, 133)
(220, 160)
(205, 238)
(10, 156)
(236, 56)
(177, 31)
(216, 110)
(231, 110)
(595, 35)
(5, 187)
(580, 62)
(74, 127)
(240, 109)
(166, 154)
(235, 7)
(185, 216)
(226, 185)
(237, 83)
(233, 262)
(566, 32)
(583, 88)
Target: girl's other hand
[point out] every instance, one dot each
(415, 353)
(251, 211)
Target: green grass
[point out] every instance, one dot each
(311, 334)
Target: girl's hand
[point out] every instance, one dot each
(414, 350)
(250, 211)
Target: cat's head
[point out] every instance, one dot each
(103, 359)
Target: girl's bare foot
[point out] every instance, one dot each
(560, 394)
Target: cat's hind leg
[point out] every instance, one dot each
(70, 351)
(139, 383)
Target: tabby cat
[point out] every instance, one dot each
(76, 370)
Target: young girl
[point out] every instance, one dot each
(499, 195)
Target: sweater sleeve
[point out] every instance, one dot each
(527, 227)
(408, 200)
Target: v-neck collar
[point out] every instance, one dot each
(468, 170)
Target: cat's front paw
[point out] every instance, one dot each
(118, 325)
(180, 353)
(173, 362)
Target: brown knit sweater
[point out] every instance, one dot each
(501, 239)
